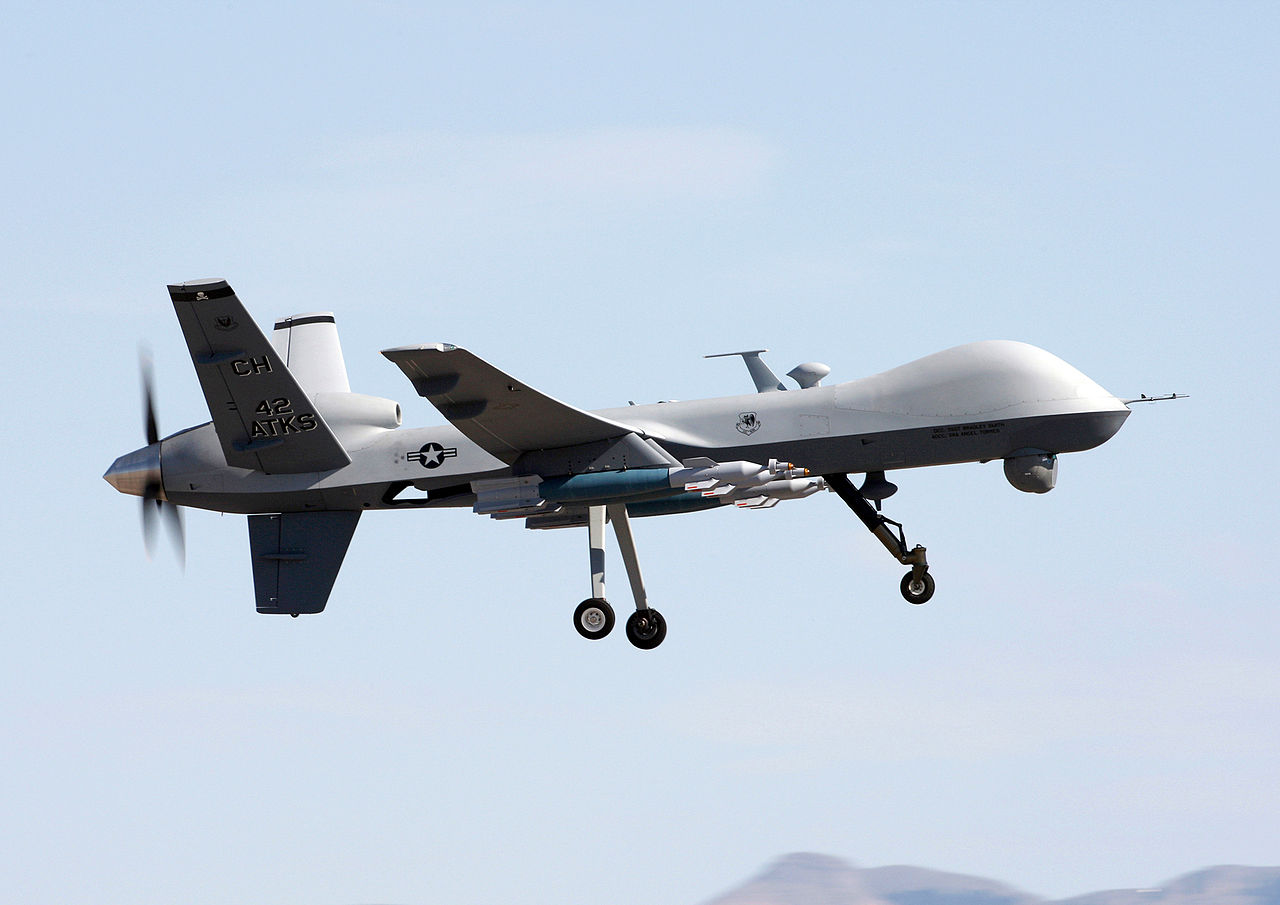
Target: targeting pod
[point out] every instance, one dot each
(1032, 470)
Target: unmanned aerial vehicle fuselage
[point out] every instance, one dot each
(292, 447)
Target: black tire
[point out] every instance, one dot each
(919, 594)
(646, 628)
(593, 618)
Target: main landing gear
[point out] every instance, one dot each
(917, 585)
(594, 617)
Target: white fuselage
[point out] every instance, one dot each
(977, 402)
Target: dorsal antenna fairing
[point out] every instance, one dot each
(807, 375)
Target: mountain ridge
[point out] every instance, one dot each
(808, 878)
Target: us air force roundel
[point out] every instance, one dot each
(432, 455)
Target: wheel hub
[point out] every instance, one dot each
(646, 628)
(593, 618)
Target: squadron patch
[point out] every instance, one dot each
(748, 423)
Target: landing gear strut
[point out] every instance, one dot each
(594, 617)
(917, 585)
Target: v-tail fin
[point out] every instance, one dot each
(296, 558)
(263, 418)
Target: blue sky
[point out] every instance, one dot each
(594, 198)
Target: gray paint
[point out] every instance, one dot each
(976, 402)
(296, 558)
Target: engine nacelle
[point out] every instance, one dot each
(356, 419)
(1032, 471)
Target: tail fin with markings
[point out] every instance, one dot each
(263, 418)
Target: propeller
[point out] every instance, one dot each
(154, 507)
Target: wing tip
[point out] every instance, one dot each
(401, 351)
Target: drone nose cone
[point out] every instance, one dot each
(137, 473)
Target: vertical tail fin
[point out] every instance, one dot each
(309, 345)
(296, 558)
(264, 419)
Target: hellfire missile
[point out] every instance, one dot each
(697, 475)
(767, 495)
(721, 479)
(703, 474)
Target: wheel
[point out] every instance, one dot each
(593, 618)
(917, 591)
(646, 629)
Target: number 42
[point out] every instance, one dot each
(279, 406)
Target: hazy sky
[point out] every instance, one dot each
(594, 198)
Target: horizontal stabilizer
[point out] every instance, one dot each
(296, 558)
(498, 413)
(263, 419)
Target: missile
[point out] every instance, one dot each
(722, 481)
(704, 474)
(768, 495)
(698, 475)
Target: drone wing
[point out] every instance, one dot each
(263, 418)
(495, 411)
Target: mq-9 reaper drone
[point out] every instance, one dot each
(293, 448)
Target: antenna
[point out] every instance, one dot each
(1165, 398)
(765, 380)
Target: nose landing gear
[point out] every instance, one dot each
(917, 585)
(917, 590)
